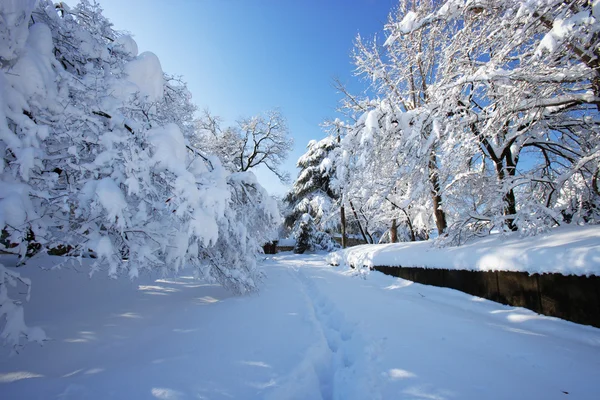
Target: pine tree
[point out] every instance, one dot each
(312, 191)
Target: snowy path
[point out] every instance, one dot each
(313, 332)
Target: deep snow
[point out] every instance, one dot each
(313, 332)
(569, 250)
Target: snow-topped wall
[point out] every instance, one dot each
(569, 250)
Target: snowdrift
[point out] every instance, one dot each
(570, 250)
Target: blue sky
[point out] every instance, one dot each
(242, 57)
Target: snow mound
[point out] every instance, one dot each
(35, 63)
(127, 44)
(15, 15)
(147, 74)
(570, 250)
(169, 148)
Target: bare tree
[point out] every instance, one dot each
(259, 140)
(264, 141)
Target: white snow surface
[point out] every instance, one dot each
(14, 15)
(146, 73)
(287, 242)
(570, 250)
(127, 44)
(314, 332)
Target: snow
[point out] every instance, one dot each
(145, 72)
(111, 198)
(315, 332)
(169, 148)
(408, 22)
(574, 250)
(11, 210)
(12, 313)
(15, 15)
(127, 44)
(287, 242)
(35, 63)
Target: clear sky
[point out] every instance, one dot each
(242, 57)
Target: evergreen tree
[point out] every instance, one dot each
(312, 191)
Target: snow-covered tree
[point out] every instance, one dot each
(491, 107)
(308, 238)
(519, 90)
(392, 168)
(99, 157)
(311, 192)
(262, 140)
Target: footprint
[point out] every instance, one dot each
(348, 360)
(332, 343)
(346, 333)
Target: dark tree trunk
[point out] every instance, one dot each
(413, 237)
(362, 231)
(440, 215)
(343, 223)
(342, 208)
(510, 203)
(394, 232)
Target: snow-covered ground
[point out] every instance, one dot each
(313, 332)
(572, 250)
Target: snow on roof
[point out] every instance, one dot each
(568, 250)
(287, 242)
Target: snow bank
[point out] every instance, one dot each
(314, 332)
(573, 250)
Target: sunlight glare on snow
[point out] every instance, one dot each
(157, 288)
(17, 376)
(177, 330)
(524, 317)
(399, 285)
(397, 373)
(72, 373)
(256, 364)
(78, 340)
(93, 371)
(86, 336)
(477, 299)
(166, 394)
(130, 315)
(207, 300)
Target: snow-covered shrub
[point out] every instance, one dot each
(305, 234)
(308, 238)
(12, 318)
(324, 241)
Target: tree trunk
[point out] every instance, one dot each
(440, 215)
(342, 208)
(510, 203)
(413, 237)
(510, 208)
(362, 232)
(394, 232)
(343, 222)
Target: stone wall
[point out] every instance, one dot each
(350, 242)
(574, 298)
